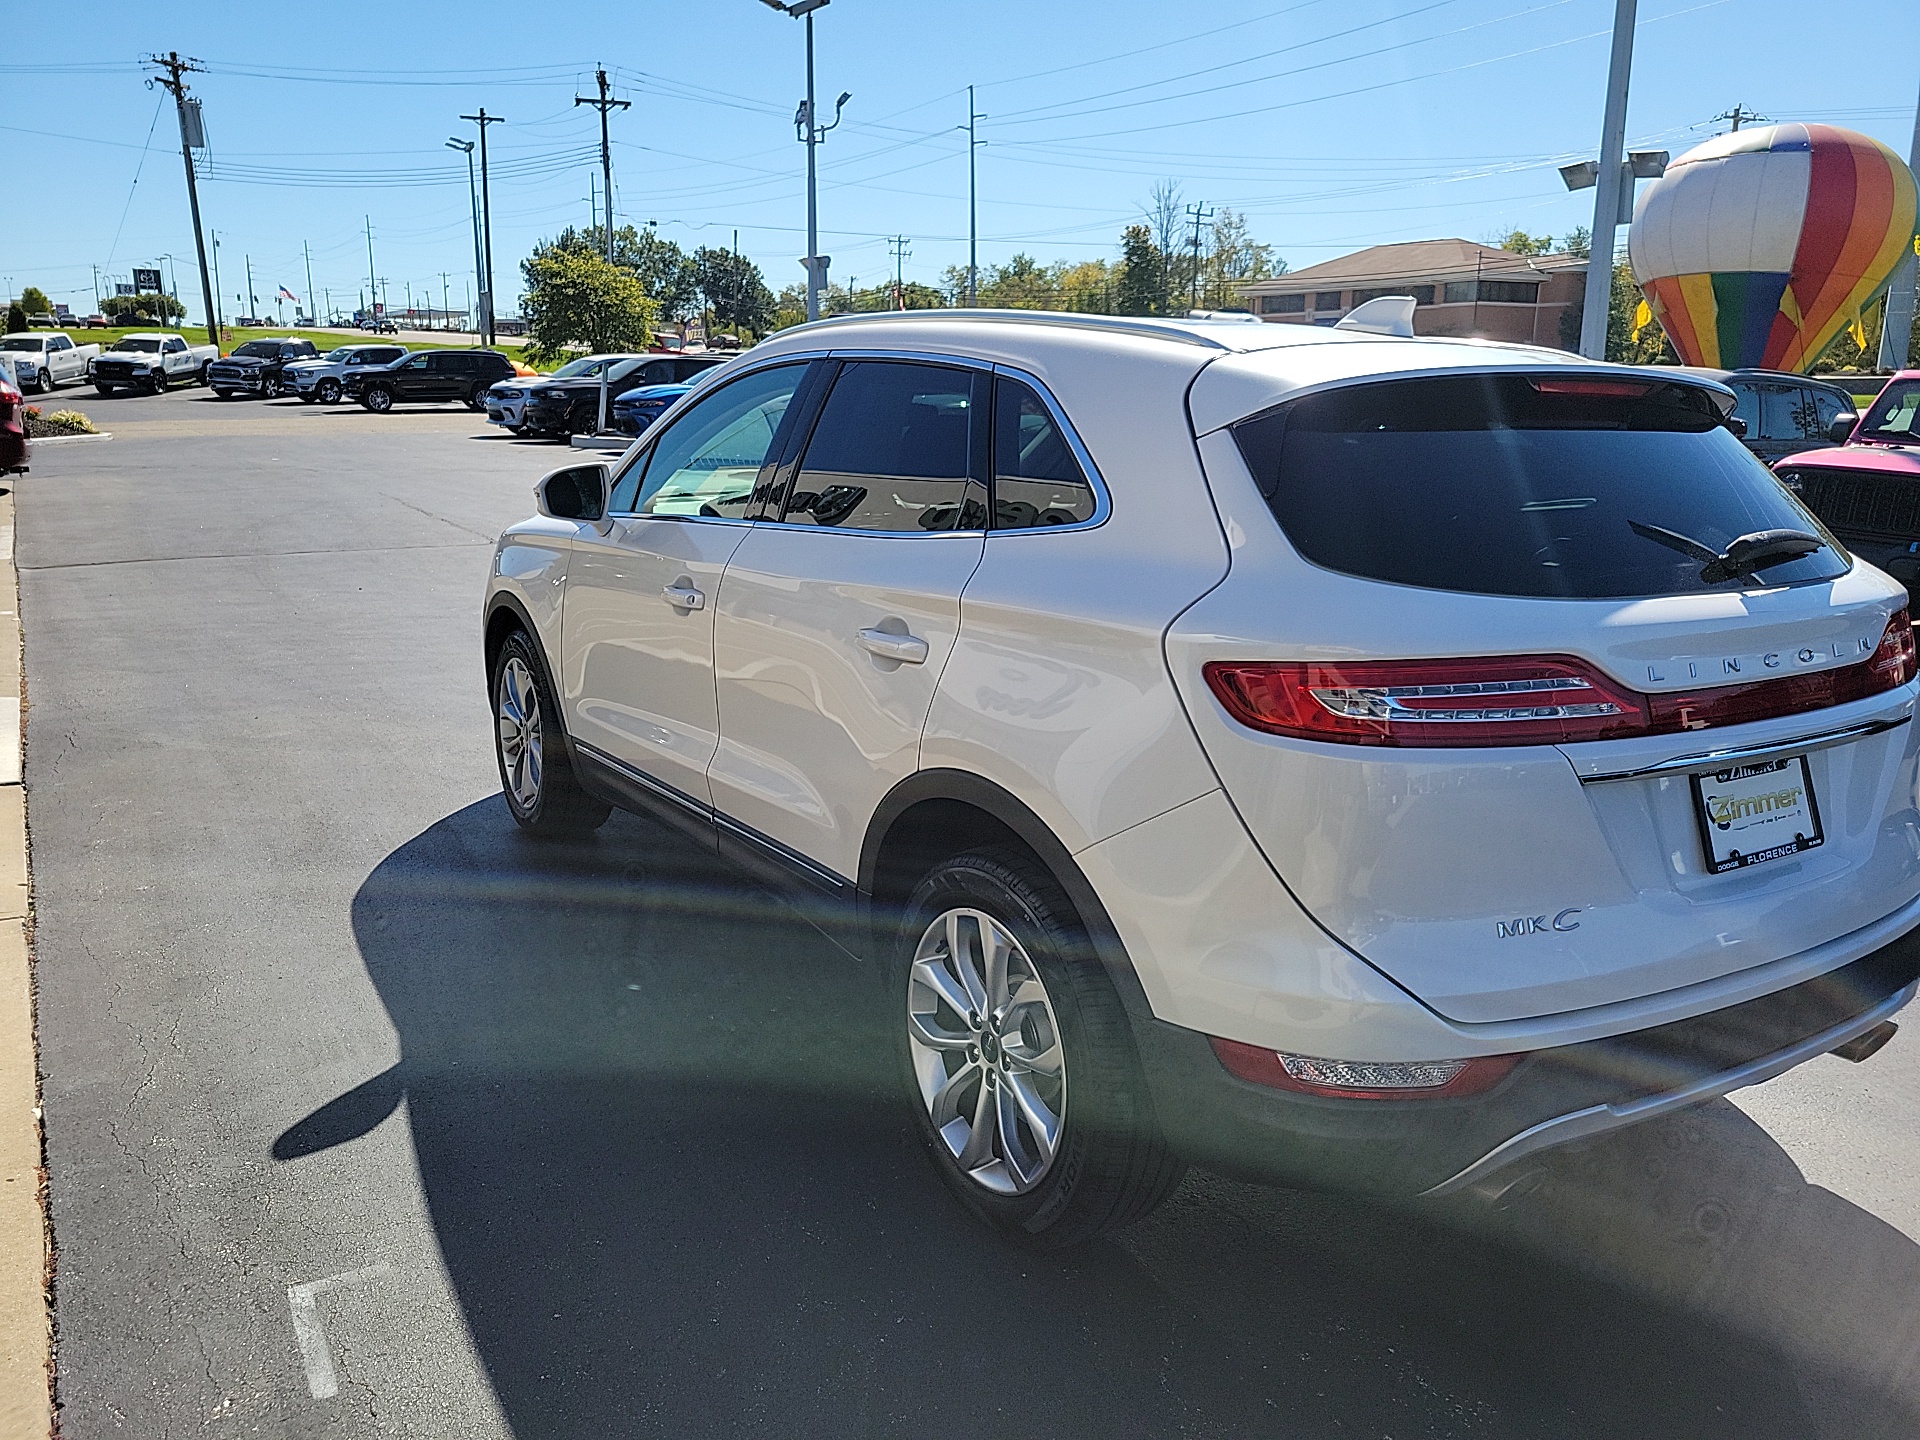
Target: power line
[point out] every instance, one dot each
(603, 105)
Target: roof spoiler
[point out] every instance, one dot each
(1382, 315)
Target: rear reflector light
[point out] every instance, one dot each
(1363, 1079)
(1507, 700)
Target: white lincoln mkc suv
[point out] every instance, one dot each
(1324, 755)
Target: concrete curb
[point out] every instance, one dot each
(26, 1338)
(66, 440)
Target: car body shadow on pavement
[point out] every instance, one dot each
(654, 1118)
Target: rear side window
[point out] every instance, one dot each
(892, 450)
(1036, 480)
(1552, 486)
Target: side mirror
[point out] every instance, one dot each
(1737, 426)
(576, 493)
(1841, 429)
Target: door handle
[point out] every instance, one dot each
(907, 649)
(684, 597)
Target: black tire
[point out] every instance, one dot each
(157, 382)
(206, 372)
(477, 398)
(378, 398)
(307, 397)
(100, 389)
(327, 392)
(272, 387)
(516, 429)
(556, 807)
(1110, 1165)
(223, 392)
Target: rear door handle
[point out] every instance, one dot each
(907, 649)
(684, 597)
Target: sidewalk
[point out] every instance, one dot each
(25, 1333)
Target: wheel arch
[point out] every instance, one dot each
(506, 614)
(935, 814)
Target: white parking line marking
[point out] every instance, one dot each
(307, 1330)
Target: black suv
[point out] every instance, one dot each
(430, 376)
(572, 406)
(257, 367)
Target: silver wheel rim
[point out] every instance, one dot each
(986, 1051)
(518, 710)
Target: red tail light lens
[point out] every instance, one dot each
(1506, 700)
(1363, 1079)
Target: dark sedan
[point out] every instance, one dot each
(572, 407)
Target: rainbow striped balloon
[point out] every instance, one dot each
(1758, 247)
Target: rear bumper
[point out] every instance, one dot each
(1553, 1097)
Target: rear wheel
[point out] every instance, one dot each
(535, 775)
(477, 398)
(1019, 1057)
(378, 399)
(206, 376)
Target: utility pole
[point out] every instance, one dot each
(192, 134)
(253, 301)
(1611, 176)
(214, 235)
(446, 312)
(96, 290)
(1197, 214)
(486, 212)
(603, 105)
(1737, 114)
(473, 198)
(973, 205)
(309, 258)
(901, 247)
(593, 204)
(1896, 326)
(373, 285)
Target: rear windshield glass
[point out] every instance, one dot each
(1514, 485)
(1892, 416)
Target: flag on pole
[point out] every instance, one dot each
(289, 295)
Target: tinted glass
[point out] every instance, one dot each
(1501, 485)
(1746, 406)
(1892, 416)
(707, 461)
(892, 450)
(265, 349)
(384, 356)
(1790, 412)
(1036, 480)
(687, 369)
(585, 365)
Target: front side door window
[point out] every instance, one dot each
(641, 589)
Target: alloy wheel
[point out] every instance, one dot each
(986, 1051)
(517, 706)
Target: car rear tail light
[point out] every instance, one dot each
(1363, 1079)
(1506, 700)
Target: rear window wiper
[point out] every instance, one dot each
(1757, 550)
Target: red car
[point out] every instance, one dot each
(1868, 490)
(14, 448)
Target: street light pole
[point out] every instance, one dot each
(811, 133)
(973, 205)
(1606, 199)
(1897, 324)
(473, 198)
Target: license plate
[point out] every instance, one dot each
(1750, 814)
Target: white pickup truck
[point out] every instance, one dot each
(151, 362)
(44, 359)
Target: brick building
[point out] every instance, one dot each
(1461, 288)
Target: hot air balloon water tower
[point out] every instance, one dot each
(1758, 247)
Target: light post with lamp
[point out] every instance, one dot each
(473, 198)
(810, 133)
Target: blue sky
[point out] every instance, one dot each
(1333, 124)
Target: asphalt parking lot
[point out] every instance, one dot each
(367, 1117)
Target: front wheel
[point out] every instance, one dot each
(378, 399)
(99, 389)
(272, 387)
(158, 382)
(223, 392)
(1018, 1056)
(535, 775)
(328, 392)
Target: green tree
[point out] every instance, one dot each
(1521, 243)
(1233, 258)
(734, 289)
(34, 301)
(1651, 347)
(1141, 288)
(16, 317)
(140, 308)
(790, 306)
(1023, 283)
(662, 267)
(1844, 353)
(1578, 241)
(574, 297)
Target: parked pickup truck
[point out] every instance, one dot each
(258, 367)
(151, 362)
(45, 359)
(322, 381)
